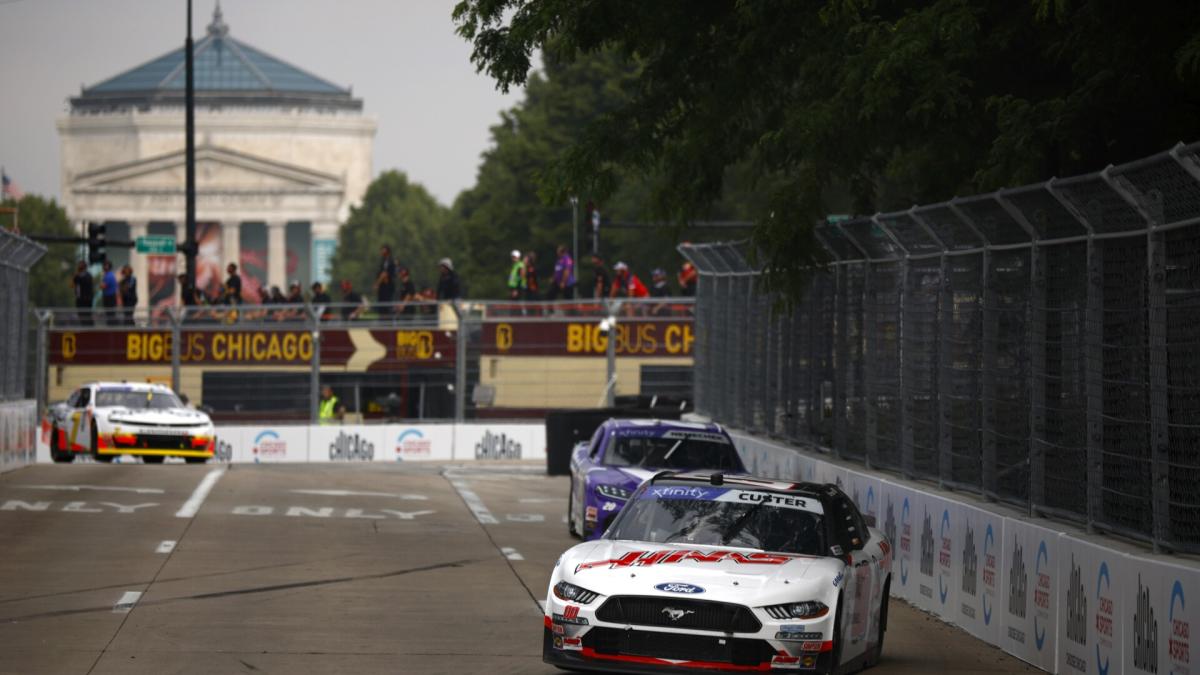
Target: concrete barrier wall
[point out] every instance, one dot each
(1060, 599)
(371, 442)
(18, 434)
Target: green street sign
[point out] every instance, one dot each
(159, 244)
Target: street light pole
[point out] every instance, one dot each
(190, 156)
(575, 231)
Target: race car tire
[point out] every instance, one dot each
(152, 459)
(56, 453)
(195, 460)
(835, 657)
(95, 453)
(571, 511)
(877, 656)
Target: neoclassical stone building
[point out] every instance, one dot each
(281, 155)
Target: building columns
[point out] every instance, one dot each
(277, 253)
(139, 263)
(231, 245)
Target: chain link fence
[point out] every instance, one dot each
(17, 256)
(1037, 345)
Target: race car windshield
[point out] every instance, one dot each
(667, 452)
(723, 517)
(137, 400)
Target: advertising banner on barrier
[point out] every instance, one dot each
(897, 506)
(262, 444)
(485, 441)
(18, 434)
(1157, 635)
(927, 511)
(1030, 593)
(347, 443)
(417, 442)
(865, 491)
(1091, 607)
(978, 535)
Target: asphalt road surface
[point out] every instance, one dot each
(315, 568)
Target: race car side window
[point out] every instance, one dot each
(594, 445)
(85, 397)
(846, 524)
(73, 399)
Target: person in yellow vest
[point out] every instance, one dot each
(329, 411)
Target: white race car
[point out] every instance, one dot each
(704, 571)
(107, 419)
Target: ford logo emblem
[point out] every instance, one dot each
(675, 587)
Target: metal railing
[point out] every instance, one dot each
(447, 360)
(1038, 345)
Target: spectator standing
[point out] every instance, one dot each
(564, 276)
(659, 289)
(233, 285)
(353, 301)
(82, 283)
(321, 299)
(516, 277)
(294, 297)
(385, 282)
(329, 410)
(531, 262)
(430, 299)
(127, 289)
(626, 284)
(408, 294)
(108, 292)
(448, 287)
(687, 279)
(600, 280)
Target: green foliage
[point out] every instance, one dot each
(403, 215)
(852, 105)
(518, 203)
(50, 278)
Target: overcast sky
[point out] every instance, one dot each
(402, 58)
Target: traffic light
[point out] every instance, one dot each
(96, 240)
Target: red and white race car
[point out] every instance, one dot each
(713, 572)
(107, 419)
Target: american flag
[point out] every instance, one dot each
(8, 188)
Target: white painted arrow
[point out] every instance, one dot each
(357, 493)
(108, 488)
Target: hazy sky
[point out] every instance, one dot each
(401, 57)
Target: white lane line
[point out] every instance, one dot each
(353, 493)
(540, 500)
(474, 503)
(109, 488)
(165, 547)
(192, 505)
(126, 602)
(511, 553)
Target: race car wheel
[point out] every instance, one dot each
(152, 459)
(883, 617)
(571, 511)
(195, 460)
(95, 448)
(57, 453)
(835, 657)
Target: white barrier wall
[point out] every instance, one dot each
(1059, 599)
(18, 434)
(444, 442)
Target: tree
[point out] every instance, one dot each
(403, 215)
(50, 277)
(854, 105)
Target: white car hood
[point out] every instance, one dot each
(171, 417)
(728, 574)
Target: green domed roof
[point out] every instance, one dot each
(227, 72)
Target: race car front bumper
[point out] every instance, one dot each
(146, 442)
(640, 651)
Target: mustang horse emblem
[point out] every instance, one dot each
(676, 614)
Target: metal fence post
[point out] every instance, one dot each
(907, 451)
(870, 349)
(1157, 348)
(43, 361)
(1094, 363)
(945, 334)
(176, 315)
(1036, 313)
(840, 358)
(987, 380)
(314, 375)
(460, 365)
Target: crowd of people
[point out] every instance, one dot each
(396, 294)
